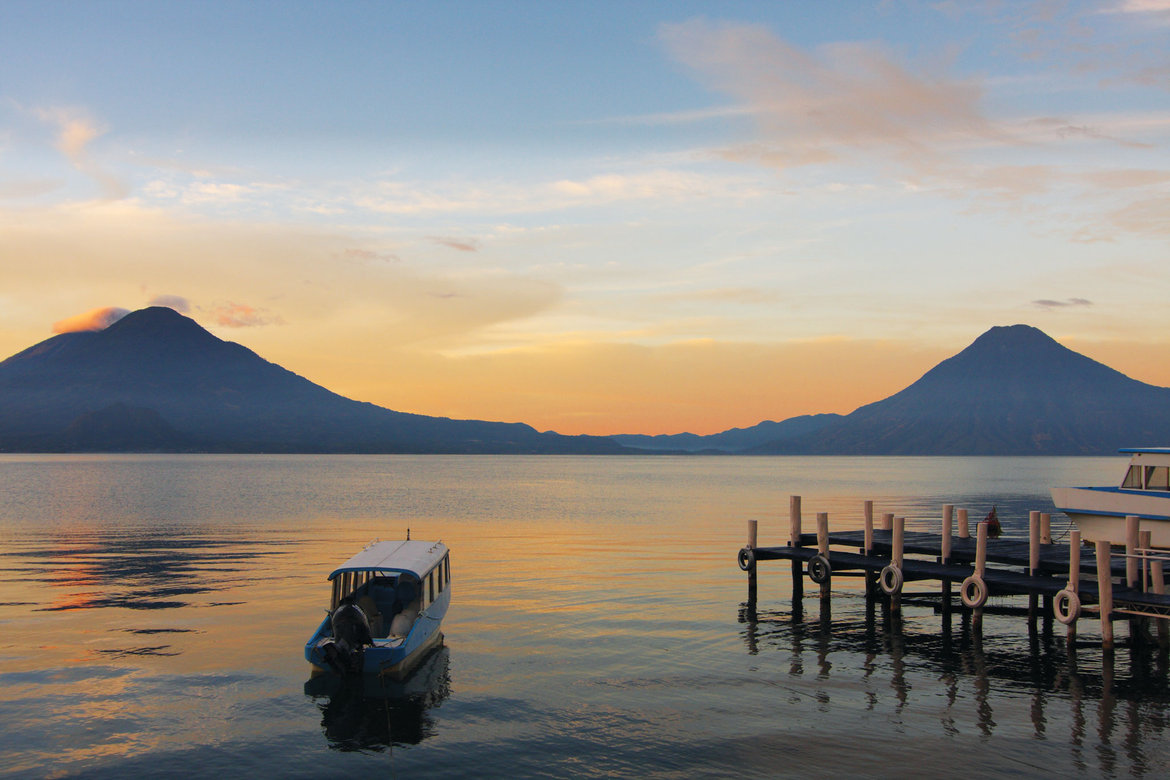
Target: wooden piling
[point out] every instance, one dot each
(868, 527)
(1158, 585)
(823, 547)
(1132, 536)
(897, 548)
(964, 527)
(794, 521)
(1033, 543)
(1045, 528)
(794, 541)
(981, 549)
(1105, 593)
(1033, 561)
(753, 538)
(870, 575)
(1074, 583)
(1145, 541)
(947, 522)
(945, 556)
(897, 541)
(888, 521)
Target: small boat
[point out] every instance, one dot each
(1100, 512)
(386, 609)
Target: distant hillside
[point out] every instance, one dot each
(1014, 391)
(156, 381)
(733, 440)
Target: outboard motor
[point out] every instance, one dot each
(351, 634)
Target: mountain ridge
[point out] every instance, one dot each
(155, 380)
(220, 396)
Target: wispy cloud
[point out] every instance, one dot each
(75, 132)
(1047, 303)
(95, 319)
(240, 315)
(462, 244)
(834, 103)
(1155, 7)
(176, 302)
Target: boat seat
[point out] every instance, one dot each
(370, 607)
(400, 625)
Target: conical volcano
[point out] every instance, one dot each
(156, 380)
(1013, 391)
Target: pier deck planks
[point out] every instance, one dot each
(1051, 576)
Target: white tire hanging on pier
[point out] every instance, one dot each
(973, 592)
(1066, 606)
(819, 569)
(747, 559)
(890, 580)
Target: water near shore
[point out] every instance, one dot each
(153, 611)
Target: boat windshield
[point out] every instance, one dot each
(1133, 478)
(1147, 478)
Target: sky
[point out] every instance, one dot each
(593, 217)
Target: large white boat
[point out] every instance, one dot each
(1100, 512)
(387, 605)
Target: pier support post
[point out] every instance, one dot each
(947, 522)
(870, 577)
(1105, 593)
(1158, 585)
(973, 592)
(1074, 583)
(1132, 535)
(1145, 542)
(794, 521)
(753, 531)
(794, 541)
(981, 549)
(1045, 528)
(1033, 563)
(888, 521)
(823, 548)
(868, 527)
(897, 539)
(964, 527)
(945, 556)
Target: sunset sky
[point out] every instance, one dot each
(594, 217)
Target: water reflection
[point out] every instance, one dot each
(372, 713)
(1112, 705)
(140, 570)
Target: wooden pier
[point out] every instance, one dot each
(1111, 578)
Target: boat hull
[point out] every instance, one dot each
(1100, 512)
(390, 657)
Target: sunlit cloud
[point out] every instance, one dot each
(95, 319)
(75, 132)
(1152, 7)
(648, 186)
(176, 302)
(462, 244)
(833, 104)
(240, 315)
(1047, 303)
(369, 256)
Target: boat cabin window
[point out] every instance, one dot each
(1157, 477)
(1133, 478)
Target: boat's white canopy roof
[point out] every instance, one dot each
(415, 557)
(1147, 450)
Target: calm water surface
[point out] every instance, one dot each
(153, 611)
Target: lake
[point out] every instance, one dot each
(154, 609)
